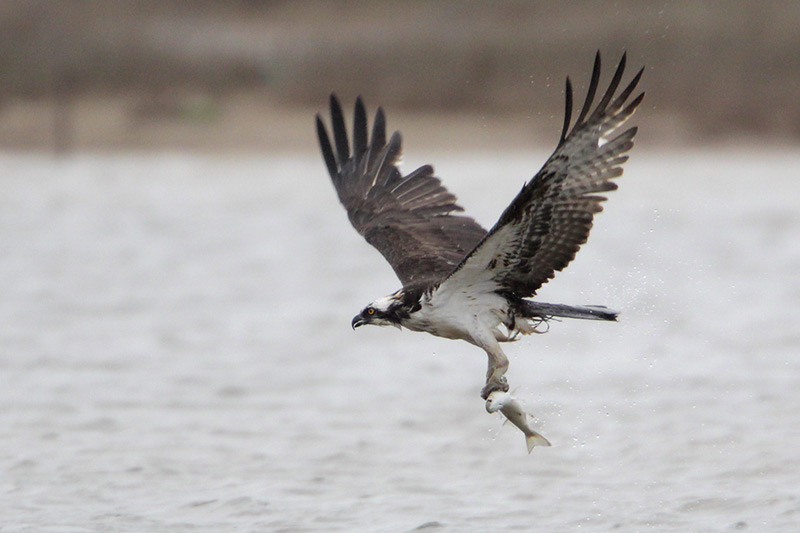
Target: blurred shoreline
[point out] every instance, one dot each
(249, 75)
(250, 121)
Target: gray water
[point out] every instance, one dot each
(176, 355)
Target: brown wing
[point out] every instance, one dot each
(409, 219)
(540, 232)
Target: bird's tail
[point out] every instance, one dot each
(544, 311)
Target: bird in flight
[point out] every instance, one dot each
(460, 281)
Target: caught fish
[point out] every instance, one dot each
(513, 411)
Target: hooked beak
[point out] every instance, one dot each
(358, 320)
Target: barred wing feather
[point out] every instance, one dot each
(409, 219)
(543, 228)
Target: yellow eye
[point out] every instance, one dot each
(370, 311)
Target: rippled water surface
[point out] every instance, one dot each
(176, 355)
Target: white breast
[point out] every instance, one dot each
(455, 314)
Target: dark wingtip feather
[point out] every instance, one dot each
(378, 140)
(359, 130)
(567, 112)
(379, 128)
(325, 146)
(387, 157)
(634, 104)
(590, 93)
(620, 100)
(395, 144)
(612, 87)
(339, 130)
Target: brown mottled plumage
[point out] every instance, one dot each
(409, 219)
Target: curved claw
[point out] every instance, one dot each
(491, 386)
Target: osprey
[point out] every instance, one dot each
(459, 280)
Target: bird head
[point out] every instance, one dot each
(386, 311)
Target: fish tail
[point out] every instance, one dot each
(534, 439)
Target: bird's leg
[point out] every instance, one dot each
(495, 374)
(498, 362)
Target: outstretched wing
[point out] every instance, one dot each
(540, 232)
(409, 219)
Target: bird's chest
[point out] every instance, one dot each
(456, 315)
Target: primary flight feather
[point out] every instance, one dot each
(460, 281)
